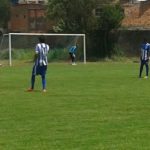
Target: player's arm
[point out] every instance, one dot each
(35, 57)
(48, 48)
(36, 53)
(148, 52)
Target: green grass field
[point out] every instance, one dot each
(97, 106)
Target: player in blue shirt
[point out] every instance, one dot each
(72, 53)
(145, 47)
(40, 63)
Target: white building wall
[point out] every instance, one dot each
(32, 1)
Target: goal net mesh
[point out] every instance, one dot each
(22, 47)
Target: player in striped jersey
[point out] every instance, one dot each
(40, 63)
(145, 47)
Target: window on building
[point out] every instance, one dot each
(134, 1)
(41, 2)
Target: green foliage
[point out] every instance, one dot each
(4, 54)
(110, 17)
(58, 55)
(118, 51)
(108, 23)
(77, 16)
(72, 15)
(19, 54)
(4, 12)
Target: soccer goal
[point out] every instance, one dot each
(21, 46)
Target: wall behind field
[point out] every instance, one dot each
(129, 41)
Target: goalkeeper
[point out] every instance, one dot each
(72, 53)
(40, 63)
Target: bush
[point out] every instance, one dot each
(27, 54)
(58, 54)
(20, 54)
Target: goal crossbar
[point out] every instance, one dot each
(46, 34)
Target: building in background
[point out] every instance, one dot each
(28, 16)
(32, 1)
(137, 14)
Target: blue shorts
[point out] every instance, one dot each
(39, 70)
(144, 62)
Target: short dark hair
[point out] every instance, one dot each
(144, 40)
(41, 39)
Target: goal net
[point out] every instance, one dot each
(20, 46)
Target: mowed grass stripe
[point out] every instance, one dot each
(87, 107)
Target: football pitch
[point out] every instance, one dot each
(97, 106)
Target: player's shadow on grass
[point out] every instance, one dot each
(34, 91)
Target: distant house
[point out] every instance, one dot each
(28, 16)
(137, 13)
(33, 1)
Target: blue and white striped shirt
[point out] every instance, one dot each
(42, 51)
(145, 51)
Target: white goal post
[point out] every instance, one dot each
(45, 34)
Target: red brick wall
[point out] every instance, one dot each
(19, 19)
(137, 15)
(27, 18)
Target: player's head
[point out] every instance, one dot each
(42, 39)
(75, 44)
(144, 40)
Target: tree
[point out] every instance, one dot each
(77, 16)
(110, 17)
(72, 15)
(108, 22)
(4, 13)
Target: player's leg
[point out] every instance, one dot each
(32, 83)
(43, 76)
(147, 68)
(141, 68)
(43, 83)
(73, 59)
(32, 79)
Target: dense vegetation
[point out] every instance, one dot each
(4, 13)
(78, 17)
